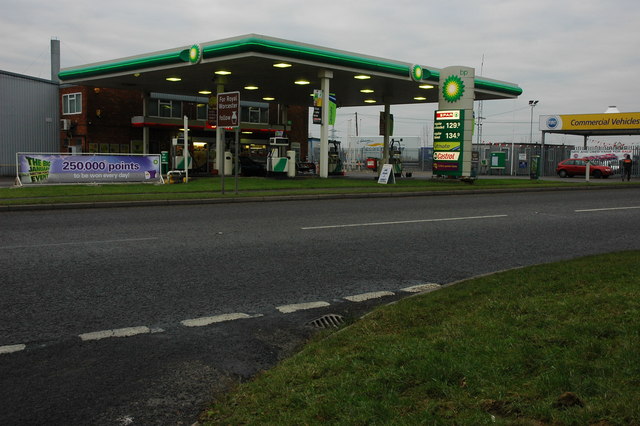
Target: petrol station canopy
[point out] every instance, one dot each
(249, 62)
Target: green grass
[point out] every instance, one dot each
(499, 349)
(207, 187)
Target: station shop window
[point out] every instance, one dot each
(251, 114)
(201, 111)
(72, 103)
(165, 108)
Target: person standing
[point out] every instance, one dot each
(627, 163)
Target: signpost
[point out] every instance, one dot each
(229, 116)
(448, 139)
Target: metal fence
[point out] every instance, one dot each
(517, 158)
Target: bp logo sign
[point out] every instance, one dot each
(194, 54)
(453, 88)
(416, 73)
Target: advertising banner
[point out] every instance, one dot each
(610, 121)
(34, 168)
(602, 155)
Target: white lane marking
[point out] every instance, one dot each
(287, 309)
(421, 287)
(204, 321)
(368, 296)
(119, 332)
(8, 349)
(399, 222)
(606, 208)
(71, 243)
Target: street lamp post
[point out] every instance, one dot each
(532, 104)
(534, 171)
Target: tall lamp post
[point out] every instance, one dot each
(535, 171)
(532, 104)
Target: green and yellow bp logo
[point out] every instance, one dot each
(453, 88)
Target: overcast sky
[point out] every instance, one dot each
(574, 56)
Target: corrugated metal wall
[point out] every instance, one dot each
(29, 118)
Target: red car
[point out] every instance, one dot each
(578, 166)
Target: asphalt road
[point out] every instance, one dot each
(139, 315)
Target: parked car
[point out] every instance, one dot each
(251, 167)
(578, 166)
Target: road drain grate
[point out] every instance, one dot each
(327, 321)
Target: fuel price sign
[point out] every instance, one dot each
(448, 138)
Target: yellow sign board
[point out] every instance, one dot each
(446, 146)
(611, 121)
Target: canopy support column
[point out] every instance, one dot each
(387, 132)
(325, 76)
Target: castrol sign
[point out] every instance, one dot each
(446, 156)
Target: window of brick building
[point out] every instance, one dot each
(72, 103)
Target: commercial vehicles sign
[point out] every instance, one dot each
(588, 122)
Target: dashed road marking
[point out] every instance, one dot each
(368, 296)
(287, 309)
(399, 222)
(8, 349)
(119, 332)
(421, 288)
(204, 321)
(75, 243)
(607, 209)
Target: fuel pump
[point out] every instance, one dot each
(177, 148)
(395, 157)
(335, 162)
(281, 159)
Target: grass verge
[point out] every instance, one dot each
(208, 187)
(550, 344)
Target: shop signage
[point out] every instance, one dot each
(35, 168)
(317, 106)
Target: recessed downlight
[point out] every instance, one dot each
(366, 91)
(251, 87)
(420, 98)
(205, 92)
(426, 86)
(370, 101)
(302, 82)
(268, 98)
(222, 72)
(282, 65)
(173, 79)
(362, 77)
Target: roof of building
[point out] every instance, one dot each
(250, 60)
